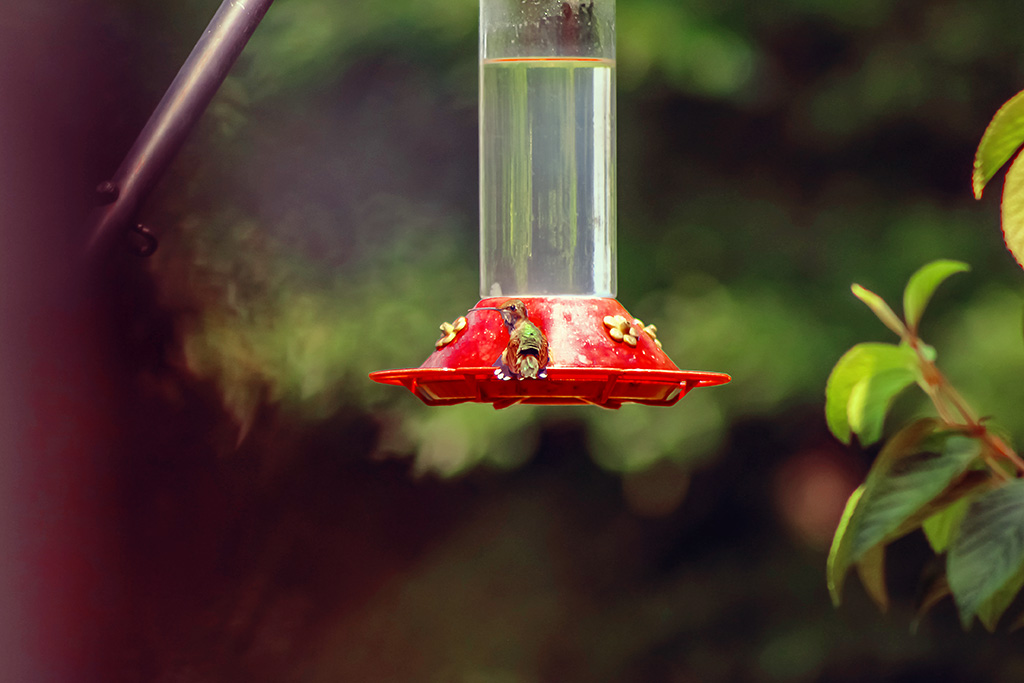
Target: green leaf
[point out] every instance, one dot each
(941, 528)
(881, 309)
(943, 515)
(916, 468)
(871, 399)
(940, 532)
(871, 570)
(1013, 210)
(993, 608)
(838, 562)
(864, 362)
(1003, 136)
(989, 551)
(923, 284)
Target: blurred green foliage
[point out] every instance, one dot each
(322, 223)
(768, 158)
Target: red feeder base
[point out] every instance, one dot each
(587, 364)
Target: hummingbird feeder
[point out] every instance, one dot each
(548, 329)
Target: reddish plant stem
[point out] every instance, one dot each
(945, 396)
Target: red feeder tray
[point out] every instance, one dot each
(587, 365)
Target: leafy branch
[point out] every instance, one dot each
(949, 476)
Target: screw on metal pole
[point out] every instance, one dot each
(106, 193)
(143, 240)
(186, 99)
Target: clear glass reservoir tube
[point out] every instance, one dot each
(547, 148)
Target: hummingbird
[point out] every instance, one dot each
(526, 355)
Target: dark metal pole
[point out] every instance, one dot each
(173, 119)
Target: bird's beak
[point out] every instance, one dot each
(484, 308)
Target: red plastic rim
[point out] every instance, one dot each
(607, 387)
(588, 365)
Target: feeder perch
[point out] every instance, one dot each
(547, 225)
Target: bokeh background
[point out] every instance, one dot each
(199, 483)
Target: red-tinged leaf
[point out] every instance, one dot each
(1002, 138)
(1013, 210)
